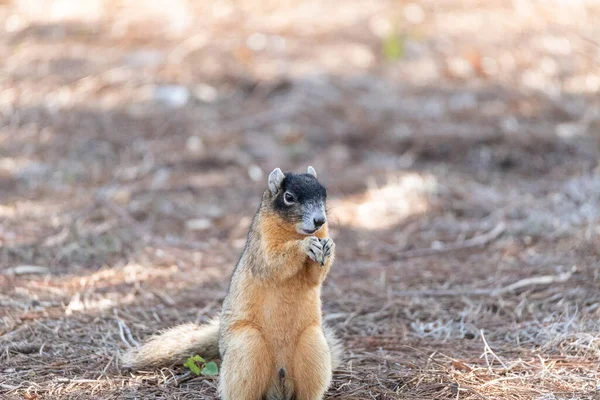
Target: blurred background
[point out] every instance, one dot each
(458, 139)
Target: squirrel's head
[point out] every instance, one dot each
(298, 199)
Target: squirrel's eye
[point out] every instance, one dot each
(288, 198)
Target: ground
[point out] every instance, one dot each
(458, 140)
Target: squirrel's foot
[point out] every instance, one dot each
(313, 248)
(328, 248)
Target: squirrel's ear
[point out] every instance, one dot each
(311, 171)
(275, 179)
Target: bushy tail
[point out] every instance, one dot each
(335, 346)
(175, 345)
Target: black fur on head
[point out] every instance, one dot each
(298, 199)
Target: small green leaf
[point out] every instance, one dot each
(192, 366)
(197, 359)
(210, 369)
(191, 363)
(393, 47)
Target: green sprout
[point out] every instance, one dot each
(199, 366)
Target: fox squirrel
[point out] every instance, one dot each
(270, 336)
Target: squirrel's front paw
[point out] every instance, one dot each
(313, 248)
(328, 248)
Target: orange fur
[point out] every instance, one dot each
(270, 334)
(283, 247)
(285, 311)
(312, 362)
(247, 369)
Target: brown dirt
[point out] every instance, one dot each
(483, 116)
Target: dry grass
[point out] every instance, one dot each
(462, 170)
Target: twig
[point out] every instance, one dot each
(506, 378)
(121, 333)
(9, 387)
(201, 312)
(108, 365)
(25, 270)
(69, 380)
(488, 350)
(477, 241)
(177, 380)
(183, 378)
(444, 292)
(129, 335)
(164, 297)
(533, 281)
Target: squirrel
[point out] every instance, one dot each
(270, 336)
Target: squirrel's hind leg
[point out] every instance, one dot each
(247, 367)
(312, 365)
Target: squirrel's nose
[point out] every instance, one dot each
(318, 221)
